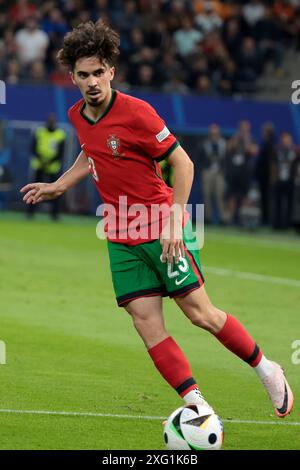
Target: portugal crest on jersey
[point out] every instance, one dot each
(113, 143)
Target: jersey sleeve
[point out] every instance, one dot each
(153, 136)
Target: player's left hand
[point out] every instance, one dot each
(171, 240)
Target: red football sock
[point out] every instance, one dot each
(172, 364)
(235, 338)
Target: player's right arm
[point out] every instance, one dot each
(39, 192)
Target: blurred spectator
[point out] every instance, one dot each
(228, 79)
(10, 44)
(284, 10)
(37, 74)
(253, 12)
(55, 23)
(286, 14)
(232, 36)
(222, 9)
(60, 76)
(268, 36)
(175, 85)
(145, 57)
(244, 135)
(46, 163)
(212, 165)
(3, 22)
(129, 19)
(240, 164)
(213, 48)
(187, 37)
(145, 78)
(198, 66)
(12, 73)
(263, 168)
(176, 10)
(3, 59)
(5, 177)
(21, 11)
(296, 211)
(100, 9)
(136, 41)
(203, 86)
(208, 21)
(158, 36)
(32, 42)
(283, 176)
(168, 67)
(250, 212)
(72, 11)
(249, 65)
(83, 16)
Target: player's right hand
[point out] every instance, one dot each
(39, 192)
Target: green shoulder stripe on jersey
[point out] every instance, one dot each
(109, 106)
(168, 152)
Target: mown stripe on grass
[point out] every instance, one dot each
(251, 276)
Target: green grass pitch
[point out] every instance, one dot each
(71, 349)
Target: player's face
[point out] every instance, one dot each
(93, 78)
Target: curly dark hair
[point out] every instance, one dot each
(88, 40)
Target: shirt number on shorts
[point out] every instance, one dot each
(182, 266)
(93, 170)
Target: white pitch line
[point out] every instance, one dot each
(138, 417)
(252, 276)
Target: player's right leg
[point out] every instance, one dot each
(168, 358)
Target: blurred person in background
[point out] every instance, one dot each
(263, 168)
(21, 11)
(240, 164)
(187, 37)
(296, 208)
(60, 76)
(204, 86)
(5, 177)
(209, 20)
(249, 65)
(36, 74)
(212, 161)
(269, 37)
(46, 163)
(228, 77)
(283, 169)
(253, 11)
(32, 42)
(12, 72)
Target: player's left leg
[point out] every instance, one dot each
(197, 306)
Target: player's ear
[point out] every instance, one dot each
(112, 73)
(72, 77)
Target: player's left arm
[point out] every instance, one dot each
(171, 237)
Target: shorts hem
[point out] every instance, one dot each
(185, 290)
(139, 294)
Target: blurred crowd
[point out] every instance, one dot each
(199, 46)
(248, 184)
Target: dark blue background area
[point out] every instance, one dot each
(189, 114)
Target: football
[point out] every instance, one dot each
(193, 427)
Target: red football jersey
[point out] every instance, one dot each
(123, 148)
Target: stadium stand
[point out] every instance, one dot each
(235, 50)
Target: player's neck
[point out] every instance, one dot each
(95, 112)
